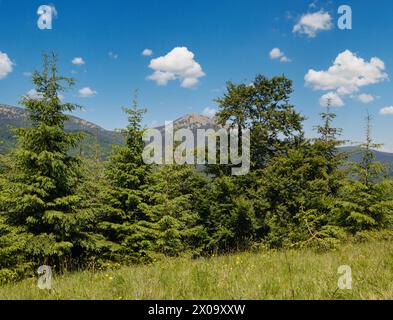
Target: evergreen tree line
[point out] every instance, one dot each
(74, 213)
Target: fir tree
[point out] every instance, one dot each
(230, 219)
(174, 204)
(39, 204)
(299, 188)
(366, 199)
(121, 196)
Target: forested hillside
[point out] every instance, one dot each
(95, 136)
(99, 141)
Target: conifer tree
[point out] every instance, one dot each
(298, 189)
(366, 199)
(39, 204)
(230, 219)
(121, 197)
(174, 209)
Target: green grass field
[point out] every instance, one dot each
(265, 275)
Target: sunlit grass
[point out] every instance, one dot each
(264, 275)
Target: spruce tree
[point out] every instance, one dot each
(39, 205)
(174, 209)
(298, 189)
(366, 199)
(121, 195)
(230, 219)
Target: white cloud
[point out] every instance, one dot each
(347, 74)
(331, 98)
(312, 23)
(33, 94)
(162, 78)
(113, 55)
(386, 111)
(177, 64)
(87, 92)
(210, 112)
(5, 65)
(365, 98)
(276, 53)
(78, 61)
(147, 52)
(285, 59)
(27, 74)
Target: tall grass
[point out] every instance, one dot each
(263, 275)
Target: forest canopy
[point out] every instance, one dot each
(72, 212)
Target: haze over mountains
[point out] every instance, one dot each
(14, 117)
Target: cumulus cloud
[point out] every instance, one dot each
(312, 23)
(210, 112)
(332, 99)
(347, 74)
(33, 94)
(6, 65)
(178, 64)
(285, 59)
(386, 111)
(78, 61)
(147, 52)
(87, 92)
(276, 53)
(365, 98)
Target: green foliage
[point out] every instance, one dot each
(119, 214)
(41, 217)
(173, 200)
(299, 189)
(366, 200)
(72, 211)
(263, 108)
(263, 275)
(230, 218)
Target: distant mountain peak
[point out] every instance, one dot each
(196, 119)
(193, 121)
(17, 113)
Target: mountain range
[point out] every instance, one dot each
(14, 117)
(98, 141)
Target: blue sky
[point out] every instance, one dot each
(197, 46)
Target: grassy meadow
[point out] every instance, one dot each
(290, 274)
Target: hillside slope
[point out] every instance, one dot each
(14, 117)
